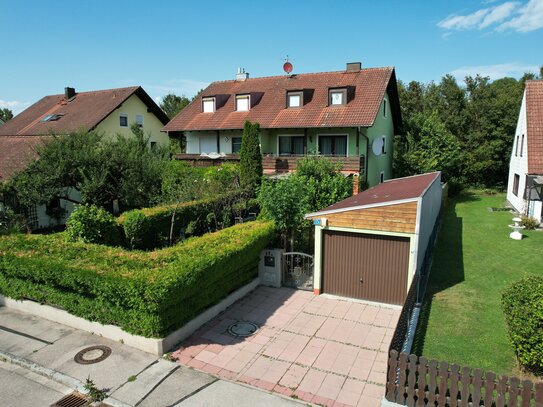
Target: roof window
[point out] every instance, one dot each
(337, 97)
(52, 117)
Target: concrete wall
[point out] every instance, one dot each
(428, 212)
(134, 106)
(519, 164)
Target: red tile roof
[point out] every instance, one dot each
(16, 152)
(85, 111)
(398, 189)
(270, 111)
(534, 125)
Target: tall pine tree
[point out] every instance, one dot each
(250, 157)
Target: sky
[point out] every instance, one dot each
(181, 46)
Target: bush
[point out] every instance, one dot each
(149, 228)
(145, 293)
(11, 222)
(522, 304)
(92, 224)
(529, 223)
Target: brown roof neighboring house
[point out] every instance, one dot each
(74, 111)
(394, 190)
(83, 110)
(366, 89)
(534, 125)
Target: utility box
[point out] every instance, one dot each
(269, 268)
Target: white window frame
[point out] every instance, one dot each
(142, 120)
(295, 94)
(522, 145)
(385, 113)
(208, 99)
(384, 147)
(287, 135)
(232, 144)
(334, 134)
(241, 97)
(126, 116)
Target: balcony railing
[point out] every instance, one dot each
(273, 164)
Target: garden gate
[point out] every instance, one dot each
(298, 270)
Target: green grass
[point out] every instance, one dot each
(475, 260)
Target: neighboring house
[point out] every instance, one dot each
(110, 111)
(525, 186)
(350, 116)
(371, 246)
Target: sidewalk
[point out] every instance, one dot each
(38, 355)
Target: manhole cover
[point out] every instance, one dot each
(243, 328)
(92, 354)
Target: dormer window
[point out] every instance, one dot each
(208, 105)
(243, 103)
(295, 99)
(337, 97)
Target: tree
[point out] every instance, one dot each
(6, 114)
(99, 170)
(250, 157)
(173, 104)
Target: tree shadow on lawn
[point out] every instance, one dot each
(447, 266)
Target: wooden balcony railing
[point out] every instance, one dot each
(273, 164)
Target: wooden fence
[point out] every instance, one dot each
(417, 381)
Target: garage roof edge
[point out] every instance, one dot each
(354, 208)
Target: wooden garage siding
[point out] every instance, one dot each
(390, 218)
(381, 261)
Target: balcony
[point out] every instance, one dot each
(274, 164)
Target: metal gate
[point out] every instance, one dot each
(298, 270)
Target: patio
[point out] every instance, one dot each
(319, 349)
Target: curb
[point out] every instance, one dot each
(54, 375)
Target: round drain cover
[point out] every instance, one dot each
(92, 354)
(243, 328)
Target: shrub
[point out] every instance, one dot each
(149, 228)
(522, 304)
(92, 224)
(529, 223)
(250, 157)
(149, 294)
(11, 222)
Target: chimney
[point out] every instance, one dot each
(242, 75)
(354, 66)
(69, 93)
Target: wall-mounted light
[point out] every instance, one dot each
(226, 139)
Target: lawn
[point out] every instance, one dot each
(474, 261)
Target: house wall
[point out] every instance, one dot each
(134, 106)
(383, 126)
(45, 221)
(519, 164)
(427, 214)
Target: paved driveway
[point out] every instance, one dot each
(319, 349)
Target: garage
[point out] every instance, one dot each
(371, 245)
(365, 266)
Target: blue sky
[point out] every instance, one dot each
(181, 46)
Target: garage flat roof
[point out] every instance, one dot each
(389, 192)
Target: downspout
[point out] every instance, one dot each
(218, 143)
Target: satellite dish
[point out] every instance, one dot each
(377, 146)
(287, 67)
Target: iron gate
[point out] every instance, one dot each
(298, 270)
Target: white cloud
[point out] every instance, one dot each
(529, 18)
(479, 19)
(14, 105)
(494, 71)
(511, 15)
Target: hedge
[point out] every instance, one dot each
(523, 307)
(144, 293)
(149, 228)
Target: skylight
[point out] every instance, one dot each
(51, 117)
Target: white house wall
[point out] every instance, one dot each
(519, 165)
(429, 207)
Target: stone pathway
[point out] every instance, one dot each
(318, 349)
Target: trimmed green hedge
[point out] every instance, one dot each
(145, 293)
(149, 228)
(523, 307)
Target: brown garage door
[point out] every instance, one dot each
(370, 267)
